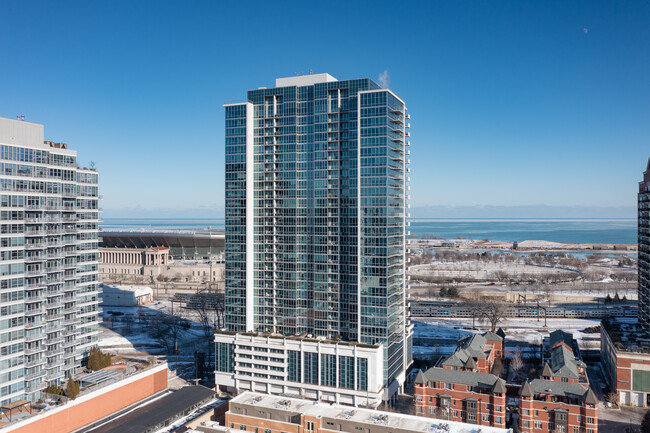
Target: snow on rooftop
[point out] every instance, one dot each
(304, 80)
(360, 415)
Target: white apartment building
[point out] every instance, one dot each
(310, 368)
(48, 261)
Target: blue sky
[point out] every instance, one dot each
(512, 103)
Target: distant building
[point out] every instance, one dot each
(125, 296)
(49, 263)
(462, 396)
(148, 262)
(182, 244)
(316, 219)
(644, 251)
(268, 413)
(552, 406)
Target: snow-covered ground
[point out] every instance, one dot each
(438, 336)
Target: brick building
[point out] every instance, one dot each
(625, 357)
(252, 411)
(461, 395)
(563, 366)
(475, 353)
(562, 407)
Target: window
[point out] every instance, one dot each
(450, 386)
(525, 412)
(561, 428)
(538, 425)
(418, 397)
(536, 413)
(432, 409)
(497, 420)
(310, 426)
(576, 429)
(590, 420)
(526, 424)
(471, 405)
(560, 416)
(498, 408)
(486, 417)
(471, 416)
(430, 399)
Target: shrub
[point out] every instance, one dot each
(98, 359)
(72, 389)
(53, 389)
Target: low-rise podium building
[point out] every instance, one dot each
(268, 413)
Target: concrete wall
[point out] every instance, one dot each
(95, 405)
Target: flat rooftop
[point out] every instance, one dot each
(627, 335)
(357, 415)
(156, 412)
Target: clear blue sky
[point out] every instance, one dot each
(512, 102)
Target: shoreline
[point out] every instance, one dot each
(465, 244)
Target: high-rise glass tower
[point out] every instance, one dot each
(644, 251)
(48, 258)
(316, 202)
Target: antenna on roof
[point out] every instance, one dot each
(311, 72)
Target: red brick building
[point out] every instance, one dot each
(461, 395)
(564, 367)
(556, 406)
(476, 352)
(625, 357)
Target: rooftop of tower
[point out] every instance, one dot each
(304, 80)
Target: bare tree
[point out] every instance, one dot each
(493, 311)
(517, 362)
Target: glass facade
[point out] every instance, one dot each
(48, 266)
(316, 177)
(311, 367)
(644, 251)
(224, 354)
(294, 366)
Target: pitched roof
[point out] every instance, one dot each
(491, 336)
(560, 336)
(470, 363)
(563, 363)
(563, 389)
(547, 372)
(590, 397)
(483, 380)
(468, 347)
(526, 390)
(499, 387)
(501, 333)
(420, 378)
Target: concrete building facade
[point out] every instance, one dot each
(148, 262)
(316, 199)
(309, 368)
(48, 260)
